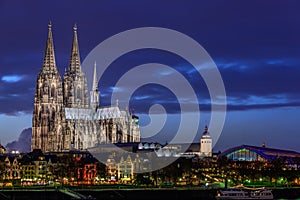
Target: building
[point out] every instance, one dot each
(2, 149)
(10, 168)
(63, 119)
(111, 169)
(206, 143)
(125, 169)
(86, 170)
(263, 154)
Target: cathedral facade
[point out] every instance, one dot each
(64, 118)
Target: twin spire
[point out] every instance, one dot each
(49, 58)
(74, 70)
(74, 65)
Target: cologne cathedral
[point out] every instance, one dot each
(63, 119)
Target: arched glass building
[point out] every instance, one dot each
(254, 153)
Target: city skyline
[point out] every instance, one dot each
(255, 46)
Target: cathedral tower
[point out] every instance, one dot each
(62, 118)
(75, 84)
(48, 115)
(76, 100)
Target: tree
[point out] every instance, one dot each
(224, 165)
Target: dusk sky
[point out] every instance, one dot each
(255, 45)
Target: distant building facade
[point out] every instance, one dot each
(206, 143)
(261, 154)
(2, 149)
(63, 119)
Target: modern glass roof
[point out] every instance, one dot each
(266, 153)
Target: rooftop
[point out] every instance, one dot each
(268, 153)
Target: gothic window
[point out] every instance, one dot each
(45, 89)
(59, 91)
(71, 90)
(52, 94)
(53, 114)
(78, 93)
(43, 109)
(40, 115)
(44, 121)
(38, 89)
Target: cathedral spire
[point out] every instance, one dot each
(49, 59)
(75, 57)
(95, 94)
(95, 81)
(75, 85)
(48, 113)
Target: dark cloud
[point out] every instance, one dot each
(254, 84)
(17, 97)
(262, 79)
(257, 54)
(255, 45)
(262, 106)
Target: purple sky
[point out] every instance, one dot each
(255, 45)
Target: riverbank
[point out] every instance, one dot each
(131, 194)
(179, 193)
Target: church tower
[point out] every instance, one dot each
(75, 84)
(95, 94)
(48, 114)
(62, 117)
(206, 143)
(76, 100)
